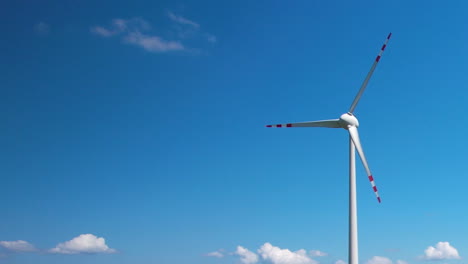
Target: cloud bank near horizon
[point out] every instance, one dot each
(82, 244)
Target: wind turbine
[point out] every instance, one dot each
(349, 122)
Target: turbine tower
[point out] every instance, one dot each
(349, 122)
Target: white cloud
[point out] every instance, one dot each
(442, 250)
(379, 260)
(277, 255)
(211, 38)
(317, 253)
(383, 260)
(122, 26)
(103, 31)
(182, 20)
(189, 29)
(131, 32)
(42, 28)
(85, 243)
(137, 31)
(216, 254)
(152, 43)
(133, 24)
(18, 246)
(340, 262)
(247, 256)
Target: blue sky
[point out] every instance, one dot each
(134, 132)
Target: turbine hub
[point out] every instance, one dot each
(347, 120)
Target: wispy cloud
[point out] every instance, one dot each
(103, 32)
(122, 26)
(216, 254)
(340, 261)
(182, 20)
(211, 38)
(85, 243)
(379, 260)
(152, 43)
(42, 28)
(187, 28)
(383, 260)
(18, 246)
(317, 253)
(138, 32)
(442, 250)
(131, 32)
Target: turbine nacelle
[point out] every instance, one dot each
(347, 120)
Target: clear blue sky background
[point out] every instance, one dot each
(165, 154)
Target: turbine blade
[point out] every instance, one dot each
(332, 123)
(369, 75)
(353, 132)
